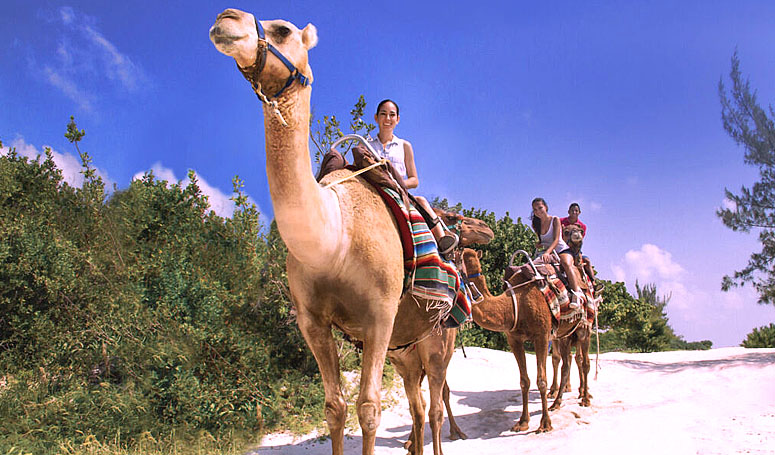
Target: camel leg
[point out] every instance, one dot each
(580, 366)
(454, 431)
(555, 365)
(541, 345)
(409, 366)
(436, 413)
(321, 341)
(369, 403)
(565, 346)
(518, 349)
(584, 348)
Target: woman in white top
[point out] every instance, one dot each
(401, 155)
(549, 230)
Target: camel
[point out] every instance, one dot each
(345, 263)
(533, 322)
(580, 338)
(431, 356)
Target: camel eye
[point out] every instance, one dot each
(282, 31)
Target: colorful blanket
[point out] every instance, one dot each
(427, 275)
(556, 296)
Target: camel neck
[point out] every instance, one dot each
(301, 208)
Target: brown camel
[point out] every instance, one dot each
(580, 338)
(431, 356)
(533, 322)
(345, 266)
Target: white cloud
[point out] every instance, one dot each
(70, 89)
(219, 201)
(119, 66)
(85, 57)
(68, 163)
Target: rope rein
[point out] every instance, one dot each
(357, 173)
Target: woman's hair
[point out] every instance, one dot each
(574, 204)
(387, 101)
(534, 220)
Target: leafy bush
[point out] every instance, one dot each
(762, 337)
(140, 315)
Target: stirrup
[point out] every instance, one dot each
(576, 304)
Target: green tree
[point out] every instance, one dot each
(754, 207)
(762, 337)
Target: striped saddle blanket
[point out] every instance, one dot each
(426, 275)
(556, 294)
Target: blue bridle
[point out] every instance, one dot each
(252, 72)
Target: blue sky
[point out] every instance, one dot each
(610, 104)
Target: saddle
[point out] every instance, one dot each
(518, 274)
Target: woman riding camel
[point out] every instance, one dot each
(549, 230)
(401, 155)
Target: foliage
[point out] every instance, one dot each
(140, 316)
(762, 337)
(638, 323)
(323, 135)
(754, 208)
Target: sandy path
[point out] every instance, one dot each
(720, 401)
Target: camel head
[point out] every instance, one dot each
(573, 236)
(470, 230)
(235, 33)
(471, 263)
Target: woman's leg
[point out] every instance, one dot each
(445, 242)
(567, 264)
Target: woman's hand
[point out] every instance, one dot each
(546, 257)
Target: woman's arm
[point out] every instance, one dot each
(555, 239)
(412, 180)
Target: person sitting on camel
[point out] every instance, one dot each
(401, 155)
(574, 210)
(548, 229)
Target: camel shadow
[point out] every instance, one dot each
(490, 419)
(753, 359)
(491, 416)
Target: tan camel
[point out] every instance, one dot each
(533, 322)
(345, 264)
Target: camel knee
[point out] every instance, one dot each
(336, 413)
(541, 383)
(368, 416)
(524, 383)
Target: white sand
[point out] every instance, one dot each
(720, 401)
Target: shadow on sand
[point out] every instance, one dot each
(489, 421)
(753, 359)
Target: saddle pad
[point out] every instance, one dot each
(427, 275)
(556, 295)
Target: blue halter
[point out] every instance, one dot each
(252, 72)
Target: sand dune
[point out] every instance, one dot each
(720, 401)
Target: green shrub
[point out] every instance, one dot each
(762, 337)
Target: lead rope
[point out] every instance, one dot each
(272, 104)
(354, 174)
(597, 355)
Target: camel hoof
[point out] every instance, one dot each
(457, 435)
(555, 406)
(544, 428)
(552, 393)
(568, 389)
(585, 402)
(520, 426)
(407, 444)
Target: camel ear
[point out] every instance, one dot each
(479, 254)
(309, 36)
